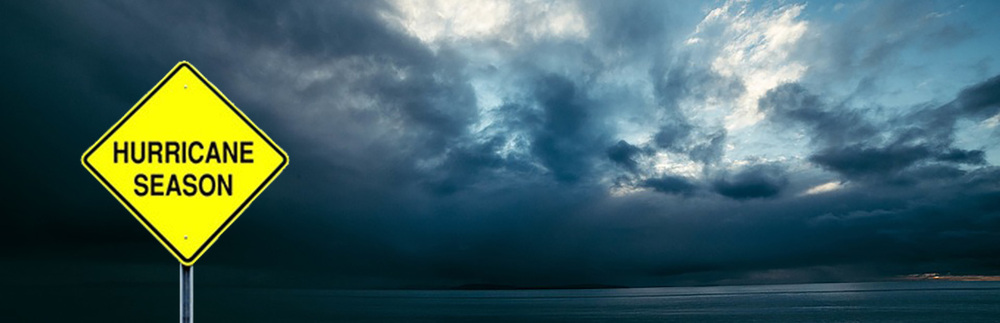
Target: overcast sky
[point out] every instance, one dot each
(440, 143)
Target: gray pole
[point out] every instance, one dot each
(187, 294)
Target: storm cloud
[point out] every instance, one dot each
(535, 144)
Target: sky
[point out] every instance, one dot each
(530, 143)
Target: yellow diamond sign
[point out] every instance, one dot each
(185, 162)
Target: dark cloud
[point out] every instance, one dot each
(859, 148)
(883, 163)
(685, 82)
(981, 100)
(679, 81)
(623, 154)
(829, 125)
(670, 185)
(856, 161)
(757, 181)
(557, 139)
(671, 136)
(960, 156)
(711, 151)
(465, 165)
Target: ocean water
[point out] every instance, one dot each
(921, 301)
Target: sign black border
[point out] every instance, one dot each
(229, 220)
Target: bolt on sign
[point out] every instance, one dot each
(185, 162)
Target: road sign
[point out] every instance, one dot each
(185, 162)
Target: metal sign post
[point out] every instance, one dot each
(187, 294)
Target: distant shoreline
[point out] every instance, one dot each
(512, 287)
(911, 277)
(947, 277)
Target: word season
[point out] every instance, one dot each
(183, 152)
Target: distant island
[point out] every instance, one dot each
(512, 287)
(949, 277)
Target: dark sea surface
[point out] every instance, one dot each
(906, 301)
